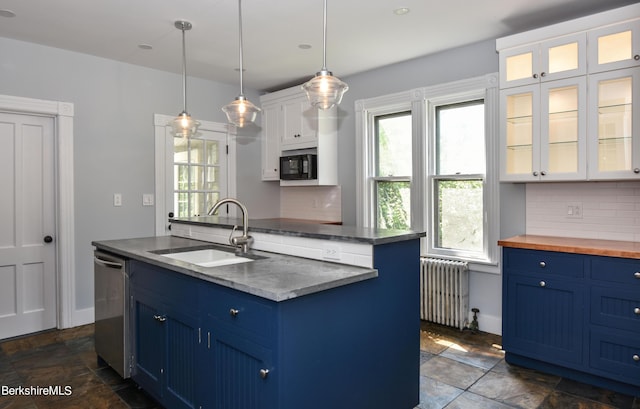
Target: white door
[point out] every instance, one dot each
(27, 209)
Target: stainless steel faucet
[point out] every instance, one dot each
(245, 240)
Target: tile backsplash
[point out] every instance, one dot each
(600, 210)
(318, 203)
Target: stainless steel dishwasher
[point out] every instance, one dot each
(111, 292)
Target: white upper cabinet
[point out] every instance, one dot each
(300, 124)
(570, 100)
(546, 61)
(543, 131)
(271, 125)
(614, 47)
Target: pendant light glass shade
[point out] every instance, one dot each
(184, 126)
(240, 111)
(324, 91)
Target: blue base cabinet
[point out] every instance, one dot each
(354, 346)
(574, 315)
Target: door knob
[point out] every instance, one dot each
(48, 239)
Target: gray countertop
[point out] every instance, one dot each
(275, 277)
(316, 230)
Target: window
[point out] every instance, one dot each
(192, 174)
(393, 171)
(428, 161)
(457, 185)
(197, 170)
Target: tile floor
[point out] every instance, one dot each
(458, 370)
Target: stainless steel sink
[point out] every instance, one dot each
(207, 257)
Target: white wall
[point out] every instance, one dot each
(113, 139)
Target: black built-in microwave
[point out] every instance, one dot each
(299, 167)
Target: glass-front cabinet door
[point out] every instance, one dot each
(520, 133)
(614, 47)
(547, 61)
(563, 150)
(614, 138)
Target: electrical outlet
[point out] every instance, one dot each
(117, 199)
(574, 210)
(331, 252)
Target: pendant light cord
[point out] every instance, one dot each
(324, 38)
(240, 40)
(184, 71)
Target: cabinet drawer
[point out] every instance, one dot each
(616, 270)
(616, 307)
(535, 262)
(616, 354)
(174, 288)
(240, 311)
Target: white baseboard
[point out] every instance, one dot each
(82, 317)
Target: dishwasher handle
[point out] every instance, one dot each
(106, 263)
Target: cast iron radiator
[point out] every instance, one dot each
(444, 292)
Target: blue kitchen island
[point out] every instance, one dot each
(281, 331)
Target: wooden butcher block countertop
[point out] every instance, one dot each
(610, 248)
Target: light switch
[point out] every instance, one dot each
(147, 199)
(117, 199)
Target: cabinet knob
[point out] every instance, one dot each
(636, 57)
(636, 311)
(636, 358)
(543, 173)
(265, 372)
(636, 274)
(543, 284)
(543, 264)
(543, 74)
(233, 312)
(160, 318)
(535, 75)
(535, 173)
(636, 170)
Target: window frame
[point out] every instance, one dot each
(422, 102)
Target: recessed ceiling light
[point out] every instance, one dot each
(7, 13)
(401, 11)
(304, 46)
(145, 46)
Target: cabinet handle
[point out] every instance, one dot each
(543, 284)
(265, 372)
(636, 358)
(160, 318)
(543, 264)
(233, 312)
(637, 274)
(636, 311)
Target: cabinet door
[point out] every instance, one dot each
(614, 47)
(563, 133)
(520, 133)
(180, 368)
(518, 66)
(544, 318)
(300, 121)
(240, 373)
(272, 127)
(149, 342)
(614, 122)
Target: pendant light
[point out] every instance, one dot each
(324, 90)
(240, 111)
(184, 125)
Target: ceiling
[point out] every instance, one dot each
(362, 34)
